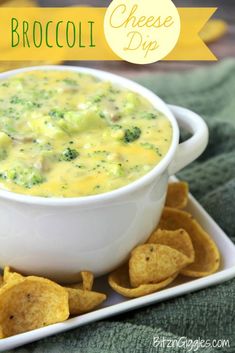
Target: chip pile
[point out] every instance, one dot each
(178, 246)
(28, 303)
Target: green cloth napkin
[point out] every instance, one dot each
(208, 313)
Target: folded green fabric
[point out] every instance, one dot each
(208, 313)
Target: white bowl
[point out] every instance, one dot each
(58, 238)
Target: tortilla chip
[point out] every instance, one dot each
(1, 281)
(207, 256)
(78, 285)
(177, 195)
(153, 263)
(9, 276)
(32, 303)
(88, 280)
(1, 333)
(176, 239)
(6, 273)
(82, 301)
(213, 30)
(119, 281)
(86, 283)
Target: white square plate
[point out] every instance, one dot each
(116, 304)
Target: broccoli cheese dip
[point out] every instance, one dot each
(67, 134)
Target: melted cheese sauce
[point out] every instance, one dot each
(66, 134)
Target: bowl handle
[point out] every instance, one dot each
(192, 148)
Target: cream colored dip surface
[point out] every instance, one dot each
(66, 134)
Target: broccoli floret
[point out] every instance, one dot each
(27, 177)
(132, 134)
(56, 114)
(26, 103)
(69, 154)
(70, 81)
(81, 120)
(150, 146)
(150, 116)
(116, 169)
(102, 115)
(115, 127)
(97, 98)
(16, 100)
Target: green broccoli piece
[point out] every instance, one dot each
(149, 116)
(116, 169)
(69, 154)
(16, 100)
(115, 127)
(148, 146)
(26, 103)
(70, 81)
(97, 98)
(24, 176)
(132, 134)
(56, 114)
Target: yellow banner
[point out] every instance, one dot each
(190, 46)
(78, 34)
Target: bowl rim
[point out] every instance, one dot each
(144, 180)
